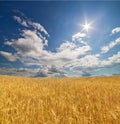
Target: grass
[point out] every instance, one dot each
(93, 100)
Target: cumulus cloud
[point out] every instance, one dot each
(84, 73)
(41, 73)
(29, 43)
(28, 23)
(115, 58)
(78, 36)
(88, 61)
(20, 21)
(18, 71)
(56, 71)
(66, 45)
(11, 57)
(71, 48)
(30, 50)
(38, 26)
(105, 49)
(93, 62)
(74, 55)
(116, 30)
(51, 71)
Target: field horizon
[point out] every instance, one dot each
(76, 100)
(38, 77)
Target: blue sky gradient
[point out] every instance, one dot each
(49, 39)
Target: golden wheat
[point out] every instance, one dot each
(94, 100)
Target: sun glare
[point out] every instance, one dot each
(86, 27)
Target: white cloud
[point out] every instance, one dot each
(66, 45)
(105, 49)
(112, 60)
(51, 71)
(74, 50)
(38, 26)
(78, 36)
(28, 23)
(92, 62)
(88, 61)
(73, 55)
(18, 71)
(8, 56)
(30, 50)
(20, 21)
(29, 44)
(42, 74)
(68, 52)
(83, 66)
(116, 30)
(115, 58)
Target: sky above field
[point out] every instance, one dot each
(59, 39)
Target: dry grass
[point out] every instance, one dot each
(94, 100)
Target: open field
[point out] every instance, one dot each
(94, 100)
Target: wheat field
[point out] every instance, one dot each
(90, 100)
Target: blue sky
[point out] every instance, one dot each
(60, 39)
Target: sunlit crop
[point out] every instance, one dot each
(94, 100)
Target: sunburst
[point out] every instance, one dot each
(86, 26)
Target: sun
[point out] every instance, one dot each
(86, 27)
